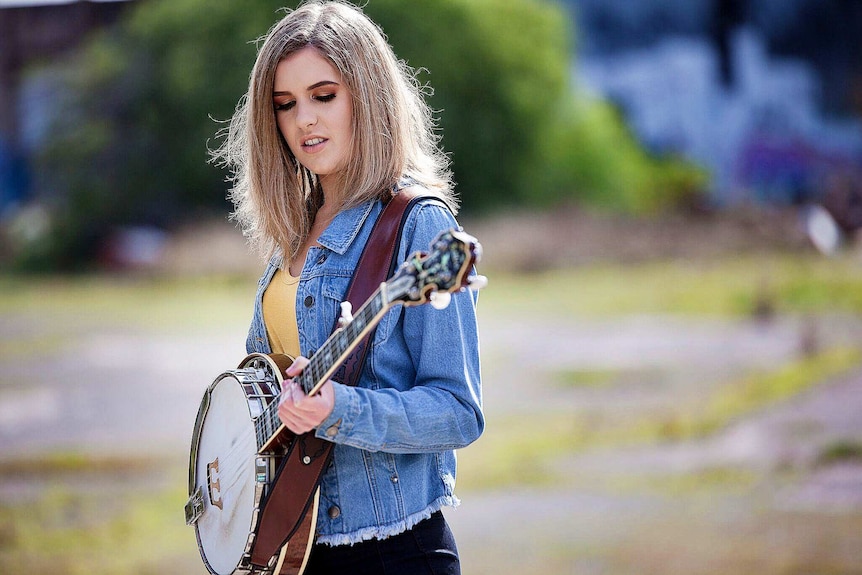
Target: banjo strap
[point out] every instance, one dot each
(294, 485)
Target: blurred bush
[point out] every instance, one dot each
(140, 106)
(130, 135)
(593, 159)
(499, 69)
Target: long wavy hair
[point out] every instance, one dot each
(276, 198)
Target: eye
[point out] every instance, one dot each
(325, 97)
(284, 106)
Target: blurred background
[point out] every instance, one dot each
(668, 192)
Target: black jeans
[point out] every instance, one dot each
(428, 548)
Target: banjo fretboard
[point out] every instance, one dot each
(324, 363)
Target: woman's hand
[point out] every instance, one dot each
(299, 412)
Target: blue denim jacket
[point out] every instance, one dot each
(417, 400)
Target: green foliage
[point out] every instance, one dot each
(498, 69)
(594, 160)
(129, 145)
(131, 138)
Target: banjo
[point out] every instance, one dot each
(239, 444)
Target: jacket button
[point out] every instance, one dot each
(394, 479)
(308, 301)
(334, 512)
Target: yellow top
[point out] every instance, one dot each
(279, 313)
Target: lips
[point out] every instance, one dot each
(312, 143)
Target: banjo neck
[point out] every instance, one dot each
(325, 362)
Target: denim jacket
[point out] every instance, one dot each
(419, 395)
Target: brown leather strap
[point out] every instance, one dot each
(293, 487)
(296, 547)
(376, 264)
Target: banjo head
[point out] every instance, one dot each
(224, 473)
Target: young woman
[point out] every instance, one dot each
(332, 126)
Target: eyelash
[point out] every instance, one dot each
(288, 105)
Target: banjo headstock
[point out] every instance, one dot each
(434, 276)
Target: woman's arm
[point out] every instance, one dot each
(427, 390)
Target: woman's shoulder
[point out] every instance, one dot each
(428, 216)
(426, 194)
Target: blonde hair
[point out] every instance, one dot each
(276, 198)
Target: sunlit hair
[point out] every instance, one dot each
(275, 197)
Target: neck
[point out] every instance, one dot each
(326, 212)
(324, 216)
(334, 187)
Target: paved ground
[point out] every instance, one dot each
(112, 390)
(758, 473)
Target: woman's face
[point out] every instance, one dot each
(314, 113)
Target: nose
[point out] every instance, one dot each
(305, 114)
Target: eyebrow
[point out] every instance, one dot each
(312, 87)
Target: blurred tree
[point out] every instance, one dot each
(130, 138)
(130, 141)
(499, 69)
(594, 160)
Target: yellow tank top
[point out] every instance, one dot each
(279, 313)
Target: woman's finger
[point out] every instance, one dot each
(297, 366)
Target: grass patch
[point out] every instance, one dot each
(85, 521)
(76, 463)
(114, 515)
(517, 450)
(17, 349)
(520, 449)
(706, 482)
(69, 303)
(743, 396)
(721, 287)
(589, 378)
(601, 378)
(730, 287)
(765, 388)
(746, 541)
(839, 451)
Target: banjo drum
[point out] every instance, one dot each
(228, 476)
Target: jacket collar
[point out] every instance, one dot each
(344, 228)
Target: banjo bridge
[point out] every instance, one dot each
(214, 484)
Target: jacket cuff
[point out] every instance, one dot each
(338, 423)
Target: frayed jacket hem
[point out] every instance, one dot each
(391, 529)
